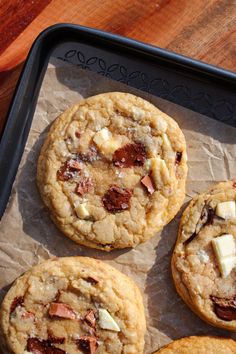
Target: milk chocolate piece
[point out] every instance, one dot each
(147, 182)
(68, 170)
(90, 318)
(117, 199)
(88, 344)
(84, 185)
(61, 310)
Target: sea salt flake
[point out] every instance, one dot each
(124, 205)
(131, 129)
(69, 141)
(97, 128)
(75, 336)
(119, 174)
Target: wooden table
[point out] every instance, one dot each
(201, 29)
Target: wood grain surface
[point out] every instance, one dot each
(15, 16)
(201, 29)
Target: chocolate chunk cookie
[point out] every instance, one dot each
(204, 258)
(112, 171)
(73, 305)
(200, 345)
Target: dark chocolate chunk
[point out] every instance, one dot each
(38, 346)
(92, 280)
(54, 350)
(206, 218)
(55, 340)
(225, 308)
(130, 155)
(18, 301)
(178, 157)
(78, 134)
(210, 215)
(186, 242)
(117, 199)
(225, 314)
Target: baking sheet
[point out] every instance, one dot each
(27, 235)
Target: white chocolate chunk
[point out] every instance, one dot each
(110, 146)
(166, 141)
(225, 251)
(224, 246)
(106, 143)
(226, 210)
(82, 211)
(160, 172)
(61, 148)
(147, 164)
(159, 123)
(106, 321)
(75, 336)
(226, 265)
(137, 113)
(26, 352)
(101, 137)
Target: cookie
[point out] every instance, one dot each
(204, 258)
(112, 171)
(200, 345)
(73, 305)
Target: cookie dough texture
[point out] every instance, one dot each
(81, 286)
(119, 121)
(195, 267)
(200, 345)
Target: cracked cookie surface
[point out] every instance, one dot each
(200, 345)
(204, 258)
(112, 171)
(73, 305)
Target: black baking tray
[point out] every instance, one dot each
(193, 84)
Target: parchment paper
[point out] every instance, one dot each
(27, 234)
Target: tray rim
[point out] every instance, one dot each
(35, 67)
(162, 53)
